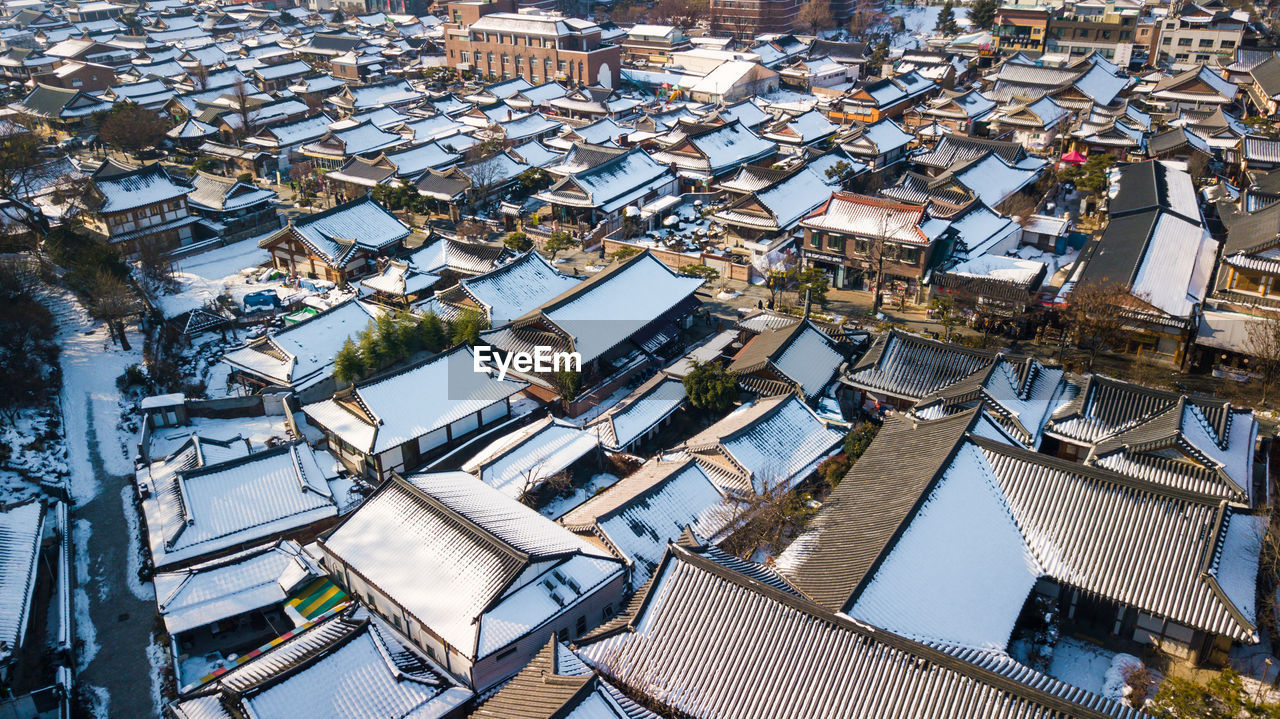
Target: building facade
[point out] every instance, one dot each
(489, 39)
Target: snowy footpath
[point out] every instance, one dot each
(117, 668)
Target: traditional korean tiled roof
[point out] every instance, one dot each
(705, 640)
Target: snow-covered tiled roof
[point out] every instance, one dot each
(196, 513)
(21, 528)
(223, 588)
(522, 460)
(138, 188)
(302, 354)
(412, 402)
(446, 547)
(516, 288)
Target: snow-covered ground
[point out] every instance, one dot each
(561, 505)
(1080, 663)
(36, 452)
(919, 22)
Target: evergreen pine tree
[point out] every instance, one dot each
(947, 20)
(348, 366)
(982, 13)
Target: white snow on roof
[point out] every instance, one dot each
(518, 287)
(783, 446)
(196, 513)
(227, 587)
(1236, 565)
(360, 677)
(617, 307)
(642, 527)
(447, 573)
(732, 144)
(995, 180)
(20, 530)
(999, 267)
(811, 360)
(524, 459)
(636, 417)
(886, 135)
(1174, 274)
(413, 402)
(961, 571)
(309, 347)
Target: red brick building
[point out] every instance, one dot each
(744, 19)
(490, 39)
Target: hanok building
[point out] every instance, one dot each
(506, 292)
(651, 507)
(242, 210)
(948, 507)
(1195, 443)
(338, 244)
(520, 462)
(766, 220)
(703, 153)
(471, 576)
(880, 99)
(137, 207)
(316, 667)
(617, 321)
(598, 193)
(200, 504)
(798, 358)
(880, 144)
(64, 110)
(300, 357)
(399, 421)
(1195, 89)
(855, 237)
(747, 609)
(771, 443)
(1157, 245)
(902, 369)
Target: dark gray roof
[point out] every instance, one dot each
(955, 149)
(883, 490)
(703, 640)
(912, 367)
(554, 684)
(1267, 75)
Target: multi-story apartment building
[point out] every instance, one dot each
(1193, 33)
(1108, 27)
(1020, 27)
(488, 38)
(744, 19)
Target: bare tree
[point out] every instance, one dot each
(113, 302)
(244, 111)
(25, 174)
(484, 175)
(816, 14)
(1096, 316)
(866, 13)
(1262, 343)
(200, 76)
(155, 267)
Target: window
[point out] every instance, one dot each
(1181, 56)
(607, 614)
(582, 625)
(860, 246)
(560, 66)
(1206, 43)
(505, 652)
(815, 240)
(835, 243)
(1227, 44)
(1184, 42)
(910, 255)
